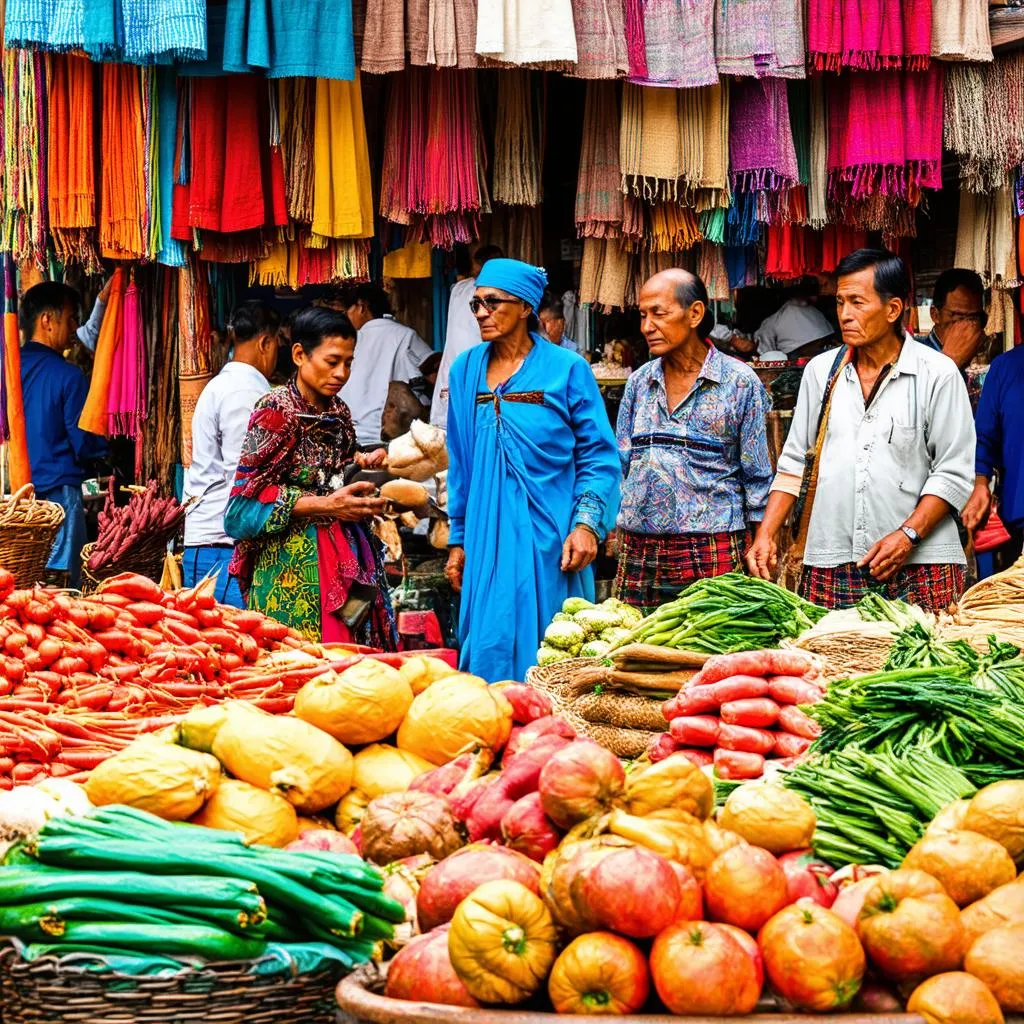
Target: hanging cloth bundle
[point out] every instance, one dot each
(600, 39)
(517, 143)
(123, 208)
(760, 38)
(678, 40)
(94, 413)
(598, 186)
(126, 399)
(870, 35)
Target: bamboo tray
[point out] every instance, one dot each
(360, 1005)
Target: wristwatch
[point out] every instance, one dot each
(912, 535)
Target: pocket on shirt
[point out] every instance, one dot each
(910, 456)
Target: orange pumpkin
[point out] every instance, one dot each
(955, 998)
(997, 959)
(812, 957)
(599, 974)
(909, 927)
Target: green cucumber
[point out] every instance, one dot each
(184, 940)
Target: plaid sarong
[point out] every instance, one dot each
(653, 568)
(934, 587)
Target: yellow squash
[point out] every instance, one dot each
(380, 768)
(258, 815)
(674, 782)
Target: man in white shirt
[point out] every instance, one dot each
(219, 427)
(797, 324)
(385, 351)
(896, 461)
(462, 332)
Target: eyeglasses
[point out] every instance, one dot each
(489, 302)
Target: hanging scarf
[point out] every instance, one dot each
(760, 37)
(123, 208)
(671, 228)
(712, 271)
(296, 102)
(538, 33)
(704, 143)
(12, 409)
(517, 142)
(600, 39)
(792, 251)
(864, 161)
(762, 155)
(126, 400)
(838, 241)
(384, 37)
(342, 188)
(870, 35)
(604, 274)
(960, 31)
(649, 141)
(94, 413)
(598, 186)
(679, 43)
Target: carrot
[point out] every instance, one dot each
(793, 690)
(245, 620)
(701, 758)
(737, 765)
(15, 643)
(746, 663)
(133, 586)
(745, 740)
(39, 612)
(739, 687)
(793, 720)
(756, 711)
(695, 730)
(790, 663)
(35, 632)
(209, 617)
(146, 613)
(50, 650)
(270, 629)
(788, 745)
(69, 666)
(691, 700)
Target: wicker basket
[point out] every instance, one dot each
(63, 989)
(146, 559)
(28, 528)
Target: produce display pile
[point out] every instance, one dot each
(119, 881)
(585, 630)
(147, 519)
(740, 709)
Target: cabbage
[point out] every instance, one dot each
(561, 617)
(565, 636)
(616, 635)
(629, 615)
(572, 605)
(595, 649)
(596, 620)
(549, 655)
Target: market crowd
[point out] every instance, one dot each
(885, 470)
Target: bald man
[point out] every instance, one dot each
(694, 450)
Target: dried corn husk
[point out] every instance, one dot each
(999, 598)
(656, 659)
(622, 710)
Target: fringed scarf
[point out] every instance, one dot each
(296, 106)
(760, 37)
(124, 210)
(342, 188)
(71, 180)
(24, 153)
(671, 228)
(762, 156)
(384, 37)
(604, 274)
(866, 161)
(960, 31)
(441, 33)
(704, 143)
(599, 183)
(12, 409)
(712, 271)
(985, 237)
(678, 43)
(817, 168)
(984, 122)
(870, 35)
(172, 252)
(126, 399)
(94, 412)
(518, 142)
(600, 39)
(195, 351)
(293, 264)
(791, 251)
(526, 33)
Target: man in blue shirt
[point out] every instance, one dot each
(54, 394)
(1000, 426)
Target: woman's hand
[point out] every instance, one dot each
(455, 568)
(354, 502)
(762, 556)
(579, 550)
(372, 460)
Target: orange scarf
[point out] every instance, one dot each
(94, 414)
(123, 214)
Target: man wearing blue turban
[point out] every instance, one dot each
(533, 478)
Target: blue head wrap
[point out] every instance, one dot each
(515, 277)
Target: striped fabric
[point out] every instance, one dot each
(933, 586)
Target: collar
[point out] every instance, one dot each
(908, 361)
(711, 370)
(234, 367)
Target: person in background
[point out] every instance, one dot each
(54, 394)
(886, 428)
(1000, 425)
(387, 351)
(694, 450)
(958, 316)
(798, 325)
(89, 333)
(306, 555)
(552, 322)
(462, 332)
(219, 426)
(533, 476)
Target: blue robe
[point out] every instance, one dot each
(527, 464)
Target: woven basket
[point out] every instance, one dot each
(146, 559)
(28, 528)
(61, 989)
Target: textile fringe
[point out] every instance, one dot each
(517, 143)
(296, 108)
(598, 193)
(24, 200)
(195, 351)
(124, 215)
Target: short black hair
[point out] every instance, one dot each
(310, 326)
(692, 289)
(45, 297)
(891, 278)
(252, 319)
(549, 304)
(957, 277)
(374, 296)
(488, 252)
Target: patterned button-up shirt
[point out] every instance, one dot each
(702, 467)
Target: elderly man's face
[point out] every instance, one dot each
(864, 317)
(961, 306)
(554, 326)
(664, 322)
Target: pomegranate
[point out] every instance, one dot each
(541, 728)
(422, 971)
(955, 998)
(812, 957)
(634, 892)
(691, 899)
(599, 974)
(700, 969)
(745, 886)
(447, 884)
(909, 927)
(528, 830)
(579, 782)
(806, 876)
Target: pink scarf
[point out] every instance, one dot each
(126, 399)
(869, 35)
